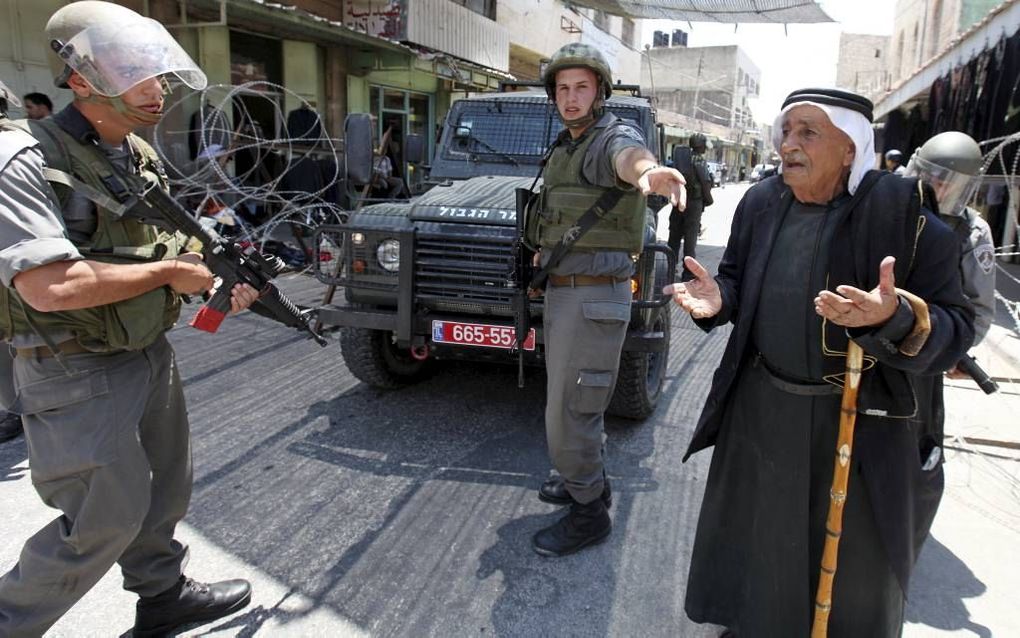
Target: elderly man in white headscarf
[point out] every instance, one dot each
(826, 252)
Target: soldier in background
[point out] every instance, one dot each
(685, 225)
(951, 164)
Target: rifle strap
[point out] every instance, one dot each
(65, 178)
(606, 201)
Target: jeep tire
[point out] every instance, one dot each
(642, 374)
(373, 357)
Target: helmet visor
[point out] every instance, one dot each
(953, 189)
(115, 57)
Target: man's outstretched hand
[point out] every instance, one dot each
(855, 308)
(700, 296)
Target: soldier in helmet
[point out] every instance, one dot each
(894, 161)
(597, 158)
(685, 225)
(951, 163)
(87, 296)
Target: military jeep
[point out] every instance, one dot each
(432, 278)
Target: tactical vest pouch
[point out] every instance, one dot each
(131, 324)
(560, 207)
(134, 323)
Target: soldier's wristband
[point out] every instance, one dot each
(650, 168)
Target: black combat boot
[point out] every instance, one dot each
(554, 491)
(189, 602)
(585, 524)
(10, 426)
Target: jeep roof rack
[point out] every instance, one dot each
(513, 85)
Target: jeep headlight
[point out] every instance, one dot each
(388, 254)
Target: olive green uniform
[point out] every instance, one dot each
(108, 435)
(585, 326)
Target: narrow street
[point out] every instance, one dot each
(410, 513)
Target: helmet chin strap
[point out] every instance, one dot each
(589, 118)
(137, 116)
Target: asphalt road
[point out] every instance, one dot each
(410, 513)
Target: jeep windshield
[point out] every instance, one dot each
(501, 136)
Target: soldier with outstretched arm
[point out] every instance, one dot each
(598, 163)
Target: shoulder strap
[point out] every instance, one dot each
(57, 154)
(606, 201)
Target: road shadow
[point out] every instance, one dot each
(940, 585)
(382, 504)
(13, 463)
(536, 596)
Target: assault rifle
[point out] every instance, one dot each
(147, 202)
(520, 281)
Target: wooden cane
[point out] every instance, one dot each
(837, 494)
(909, 347)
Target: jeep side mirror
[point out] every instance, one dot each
(463, 131)
(358, 148)
(414, 149)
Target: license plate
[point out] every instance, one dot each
(478, 334)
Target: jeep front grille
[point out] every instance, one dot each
(464, 273)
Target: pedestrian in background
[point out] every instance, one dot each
(104, 413)
(38, 106)
(773, 411)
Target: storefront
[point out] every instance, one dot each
(972, 86)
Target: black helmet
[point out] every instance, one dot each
(698, 142)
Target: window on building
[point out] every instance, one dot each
(402, 113)
(628, 32)
(740, 77)
(486, 8)
(601, 20)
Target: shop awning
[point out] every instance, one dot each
(725, 11)
(1002, 20)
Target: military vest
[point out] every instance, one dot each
(565, 197)
(131, 324)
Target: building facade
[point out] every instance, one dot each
(863, 63)
(707, 83)
(710, 89)
(923, 28)
(539, 27)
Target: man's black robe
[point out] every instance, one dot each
(758, 547)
